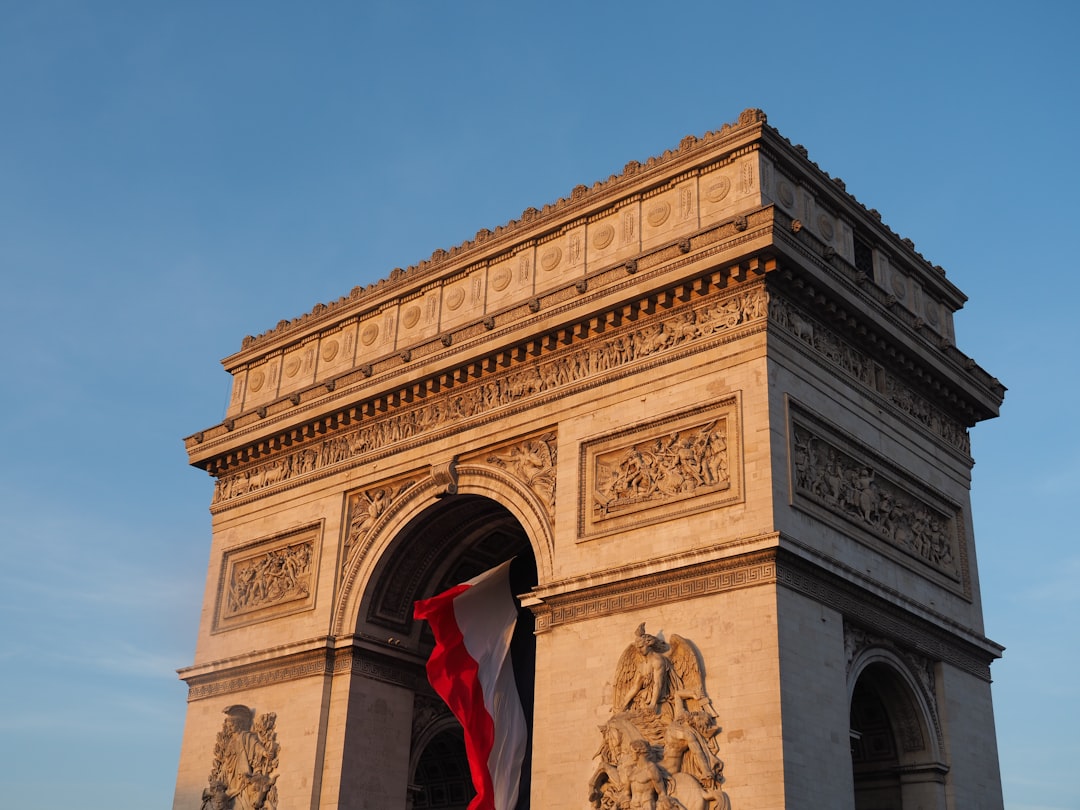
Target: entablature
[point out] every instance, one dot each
(735, 201)
(722, 306)
(870, 318)
(642, 288)
(704, 182)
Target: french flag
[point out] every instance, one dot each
(470, 669)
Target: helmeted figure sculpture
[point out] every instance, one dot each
(659, 749)
(245, 758)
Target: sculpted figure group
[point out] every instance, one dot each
(854, 490)
(276, 576)
(245, 758)
(862, 367)
(659, 748)
(681, 463)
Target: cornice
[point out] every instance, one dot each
(307, 409)
(795, 159)
(637, 181)
(889, 613)
(611, 580)
(346, 655)
(868, 316)
(558, 318)
(895, 616)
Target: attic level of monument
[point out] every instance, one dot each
(649, 239)
(340, 409)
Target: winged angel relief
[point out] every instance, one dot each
(659, 749)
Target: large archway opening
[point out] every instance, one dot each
(451, 541)
(894, 759)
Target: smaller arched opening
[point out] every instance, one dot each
(895, 757)
(440, 775)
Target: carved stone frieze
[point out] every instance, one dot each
(533, 462)
(659, 749)
(314, 663)
(769, 568)
(267, 578)
(864, 491)
(858, 365)
(656, 338)
(255, 676)
(670, 463)
(244, 773)
(677, 464)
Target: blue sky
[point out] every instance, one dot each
(176, 176)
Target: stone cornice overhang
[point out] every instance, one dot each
(584, 204)
(712, 571)
(769, 560)
(870, 318)
(324, 656)
(393, 376)
(711, 259)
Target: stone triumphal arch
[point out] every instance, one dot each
(714, 410)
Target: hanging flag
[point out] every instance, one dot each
(470, 669)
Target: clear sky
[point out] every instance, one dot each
(174, 176)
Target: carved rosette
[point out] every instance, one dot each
(545, 377)
(244, 772)
(659, 749)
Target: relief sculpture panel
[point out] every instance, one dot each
(268, 578)
(833, 477)
(533, 462)
(859, 366)
(685, 461)
(659, 750)
(365, 508)
(244, 773)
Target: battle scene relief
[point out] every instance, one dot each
(667, 463)
(828, 475)
(267, 578)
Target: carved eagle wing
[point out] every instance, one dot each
(625, 684)
(687, 674)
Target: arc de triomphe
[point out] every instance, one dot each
(715, 410)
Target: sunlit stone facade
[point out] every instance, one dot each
(714, 396)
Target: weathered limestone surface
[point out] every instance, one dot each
(714, 396)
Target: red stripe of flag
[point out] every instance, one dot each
(470, 669)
